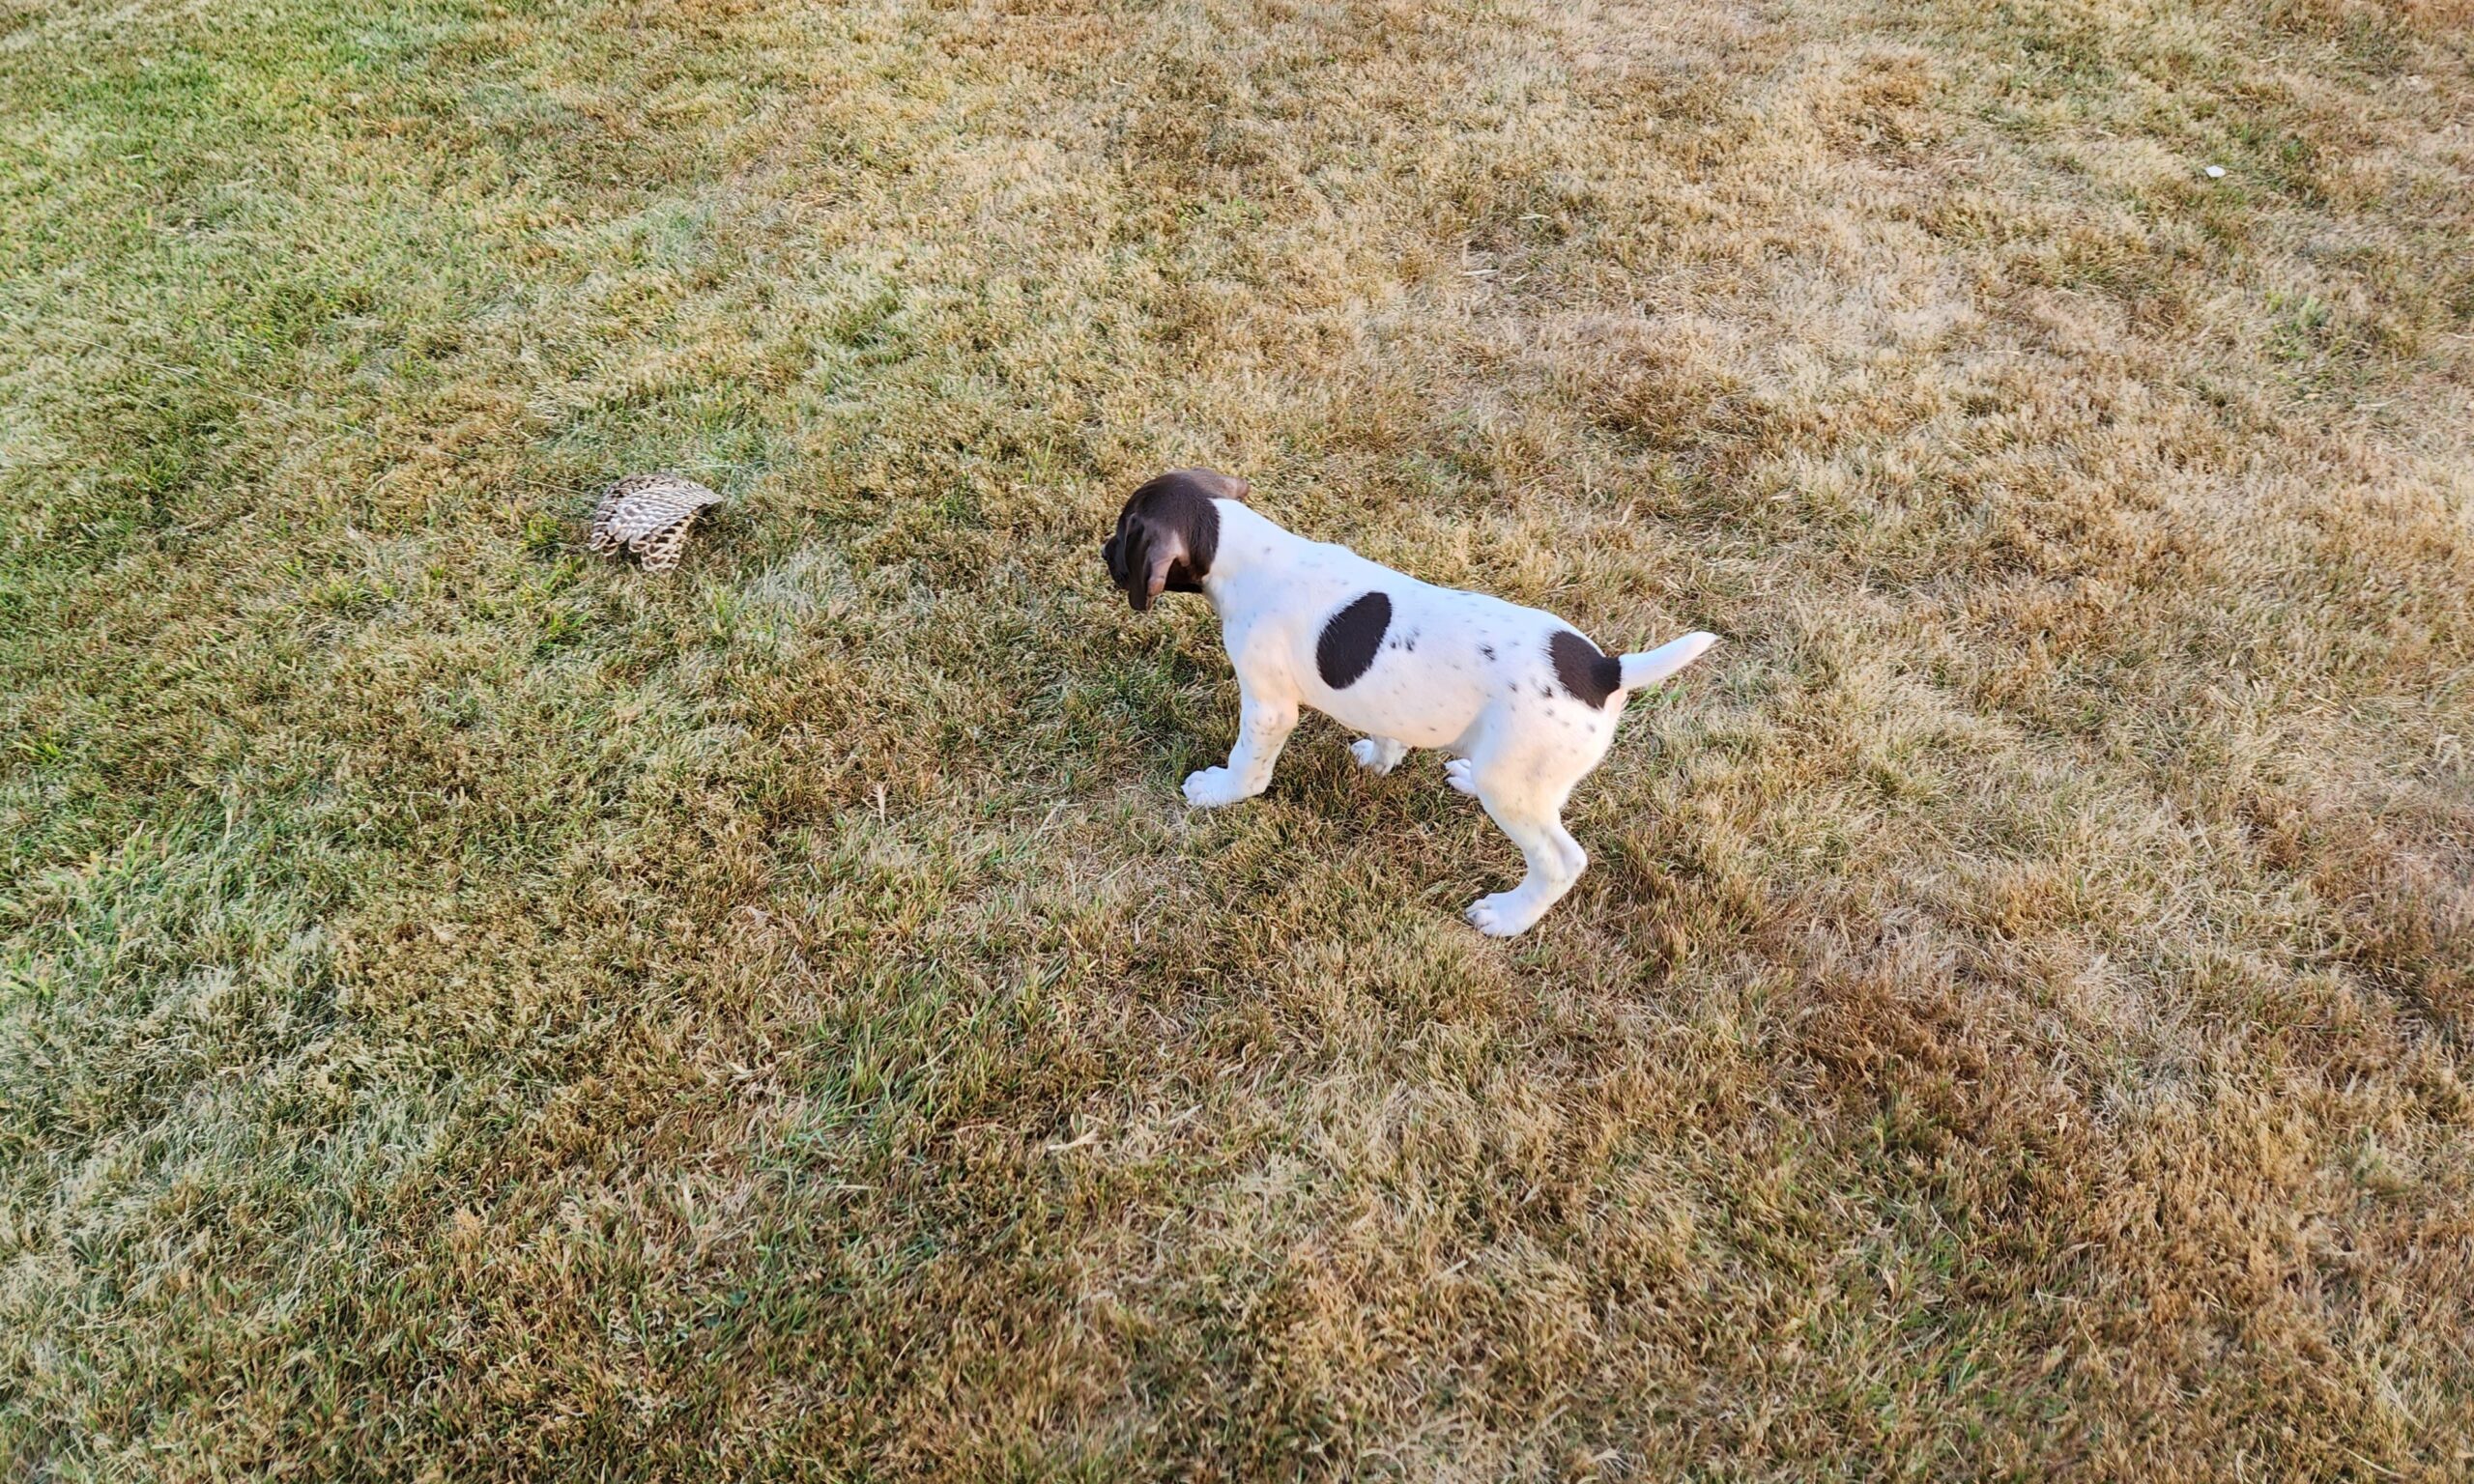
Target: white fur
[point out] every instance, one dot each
(1519, 740)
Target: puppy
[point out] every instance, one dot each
(1525, 705)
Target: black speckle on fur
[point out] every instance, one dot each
(1488, 650)
(1590, 676)
(1350, 639)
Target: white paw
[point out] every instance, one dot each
(1213, 788)
(1376, 755)
(1456, 774)
(1503, 915)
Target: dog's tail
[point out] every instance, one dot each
(1642, 671)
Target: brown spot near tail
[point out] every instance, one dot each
(1589, 676)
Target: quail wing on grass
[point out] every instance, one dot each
(648, 515)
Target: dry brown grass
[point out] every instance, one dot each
(472, 1011)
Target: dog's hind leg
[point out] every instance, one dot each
(1532, 814)
(1378, 755)
(1460, 768)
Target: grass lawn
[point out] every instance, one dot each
(470, 1009)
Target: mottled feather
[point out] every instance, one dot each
(648, 515)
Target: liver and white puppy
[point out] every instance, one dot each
(1525, 705)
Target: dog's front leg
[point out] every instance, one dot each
(1265, 717)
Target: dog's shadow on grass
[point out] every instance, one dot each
(1407, 834)
(1407, 840)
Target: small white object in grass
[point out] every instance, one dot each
(2216, 172)
(648, 514)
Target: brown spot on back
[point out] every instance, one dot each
(1350, 639)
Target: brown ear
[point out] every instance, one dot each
(1140, 557)
(1167, 535)
(1162, 548)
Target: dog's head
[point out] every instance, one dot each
(1167, 533)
